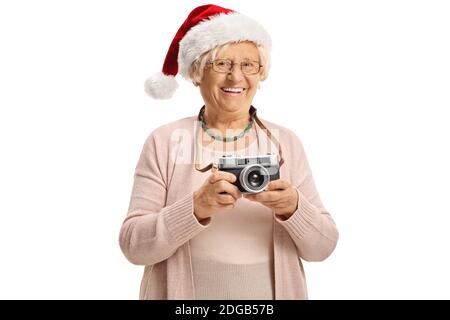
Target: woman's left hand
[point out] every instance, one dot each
(280, 196)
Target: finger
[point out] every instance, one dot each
(224, 186)
(279, 184)
(276, 204)
(225, 199)
(226, 207)
(222, 175)
(266, 196)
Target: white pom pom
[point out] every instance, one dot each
(161, 86)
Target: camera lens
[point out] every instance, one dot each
(254, 178)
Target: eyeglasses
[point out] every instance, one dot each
(226, 66)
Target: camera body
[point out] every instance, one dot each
(253, 173)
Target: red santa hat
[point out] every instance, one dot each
(205, 28)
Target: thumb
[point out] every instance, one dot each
(277, 185)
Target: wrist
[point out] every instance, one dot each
(294, 206)
(195, 205)
(285, 216)
(197, 211)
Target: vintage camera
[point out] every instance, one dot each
(253, 173)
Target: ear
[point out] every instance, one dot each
(191, 75)
(261, 78)
(191, 71)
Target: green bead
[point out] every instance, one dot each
(225, 139)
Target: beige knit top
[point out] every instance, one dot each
(232, 258)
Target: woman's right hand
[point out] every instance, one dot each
(216, 194)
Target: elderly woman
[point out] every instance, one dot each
(206, 234)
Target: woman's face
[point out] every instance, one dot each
(213, 83)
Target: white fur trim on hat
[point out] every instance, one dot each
(218, 30)
(161, 86)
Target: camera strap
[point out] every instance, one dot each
(253, 115)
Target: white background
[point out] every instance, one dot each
(364, 84)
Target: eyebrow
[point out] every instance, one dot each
(244, 59)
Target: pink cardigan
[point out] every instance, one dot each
(160, 220)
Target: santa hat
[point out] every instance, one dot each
(205, 28)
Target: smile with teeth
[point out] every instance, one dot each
(233, 90)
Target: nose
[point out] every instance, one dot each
(235, 73)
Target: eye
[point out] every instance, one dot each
(223, 63)
(248, 64)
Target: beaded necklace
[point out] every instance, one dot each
(219, 137)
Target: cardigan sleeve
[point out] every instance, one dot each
(311, 227)
(152, 231)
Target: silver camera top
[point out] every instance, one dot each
(232, 161)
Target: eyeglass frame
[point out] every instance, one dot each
(233, 64)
